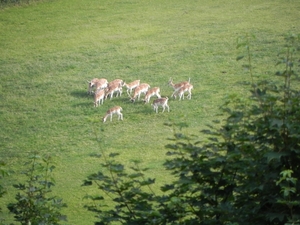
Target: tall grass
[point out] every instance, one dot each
(48, 51)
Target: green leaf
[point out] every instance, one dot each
(241, 42)
(167, 187)
(148, 182)
(239, 57)
(286, 173)
(175, 200)
(135, 175)
(274, 155)
(87, 183)
(117, 168)
(113, 154)
(96, 155)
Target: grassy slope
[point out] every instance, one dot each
(49, 50)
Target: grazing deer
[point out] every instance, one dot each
(131, 86)
(117, 87)
(180, 92)
(99, 97)
(177, 86)
(97, 84)
(163, 102)
(141, 89)
(152, 92)
(114, 82)
(114, 110)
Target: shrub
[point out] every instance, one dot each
(3, 173)
(34, 205)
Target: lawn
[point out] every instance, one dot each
(48, 51)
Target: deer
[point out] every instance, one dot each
(177, 86)
(141, 89)
(163, 102)
(114, 110)
(186, 88)
(131, 86)
(152, 92)
(116, 87)
(97, 84)
(99, 97)
(91, 85)
(116, 81)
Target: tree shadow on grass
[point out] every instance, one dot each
(142, 108)
(84, 104)
(81, 94)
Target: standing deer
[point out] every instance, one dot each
(177, 86)
(141, 89)
(163, 102)
(114, 82)
(91, 85)
(99, 97)
(97, 84)
(117, 87)
(114, 110)
(131, 86)
(152, 92)
(180, 92)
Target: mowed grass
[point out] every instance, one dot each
(49, 50)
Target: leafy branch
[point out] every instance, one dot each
(132, 202)
(33, 205)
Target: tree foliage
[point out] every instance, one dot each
(127, 190)
(35, 205)
(3, 191)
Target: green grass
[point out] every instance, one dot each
(49, 50)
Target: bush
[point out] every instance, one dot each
(3, 191)
(34, 205)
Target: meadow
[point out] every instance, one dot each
(49, 49)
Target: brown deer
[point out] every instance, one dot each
(114, 110)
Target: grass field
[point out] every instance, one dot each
(49, 50)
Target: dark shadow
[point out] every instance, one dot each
(145, 111)
(81, 94)
(84, 105)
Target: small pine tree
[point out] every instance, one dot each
(34, 204)
(3, 173)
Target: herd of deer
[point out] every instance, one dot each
(102, 89)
